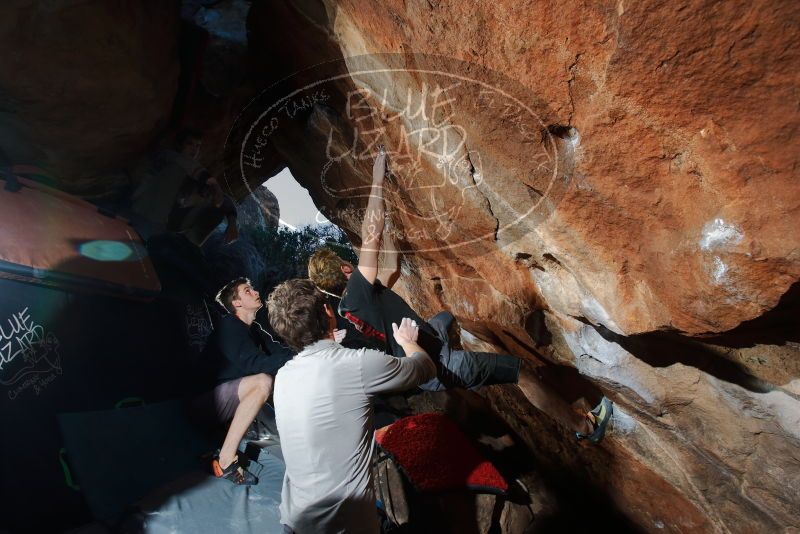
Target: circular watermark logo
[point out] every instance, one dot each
(473, 156)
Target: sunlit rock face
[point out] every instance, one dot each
(85, 86)
(641, 229)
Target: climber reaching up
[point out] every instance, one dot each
(373, 223)
(363, 296)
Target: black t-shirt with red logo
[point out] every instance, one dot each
(354, 338)
(372, 308)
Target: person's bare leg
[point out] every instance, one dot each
(253, 393)
(547, 400)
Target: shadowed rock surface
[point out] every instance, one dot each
(85, 86)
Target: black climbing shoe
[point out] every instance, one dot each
(234, 473)
(602, 415)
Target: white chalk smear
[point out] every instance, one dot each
(718, 233)
(599, 358)
(469, 337)
(596, 313)
(621, 422)
(719, 273)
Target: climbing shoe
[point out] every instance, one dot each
(601, 415)
(236, 474)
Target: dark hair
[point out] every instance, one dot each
(185, 135)
(230, 292)
(297, 313)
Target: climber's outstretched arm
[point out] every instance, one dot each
(372, 226)
(389, 264)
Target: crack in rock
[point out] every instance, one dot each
(571, 70)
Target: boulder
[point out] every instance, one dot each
(606, 188)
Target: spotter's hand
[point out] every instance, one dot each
(407, 332)
(339, 335)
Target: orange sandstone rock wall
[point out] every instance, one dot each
(686, 114)
(643, 229)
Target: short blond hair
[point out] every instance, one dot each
(325, 270)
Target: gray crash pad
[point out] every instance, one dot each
(202, 504)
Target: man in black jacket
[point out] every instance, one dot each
(249, 359)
